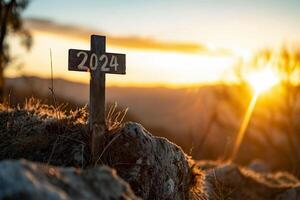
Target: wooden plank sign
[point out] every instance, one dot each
(98, 63)
(82, 60)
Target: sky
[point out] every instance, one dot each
(166, 42)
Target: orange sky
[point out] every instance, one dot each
(170, 43)
(165, 63)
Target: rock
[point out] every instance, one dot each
(154, 167)
(229, 181)
(291, 194)
(32, 181)
(259, 166)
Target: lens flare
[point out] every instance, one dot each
(262, 80)
(243, 127)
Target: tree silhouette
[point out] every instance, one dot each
(11, 24)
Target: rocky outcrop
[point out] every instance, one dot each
(27, 180)
(228, 181)
(153, 166)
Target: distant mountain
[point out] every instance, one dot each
(39, 86)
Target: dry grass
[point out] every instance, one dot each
(50, 134)
(114, 118)
(34, 132)
(114, 121)
(197, 190)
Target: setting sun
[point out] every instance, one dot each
(262, 80)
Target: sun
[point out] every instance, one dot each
(262, 80)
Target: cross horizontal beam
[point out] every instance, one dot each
(84, 60)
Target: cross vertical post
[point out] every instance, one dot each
(98, 63)
(97, 123)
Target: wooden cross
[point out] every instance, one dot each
(98, 63)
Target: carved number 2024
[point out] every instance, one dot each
(103, 60)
